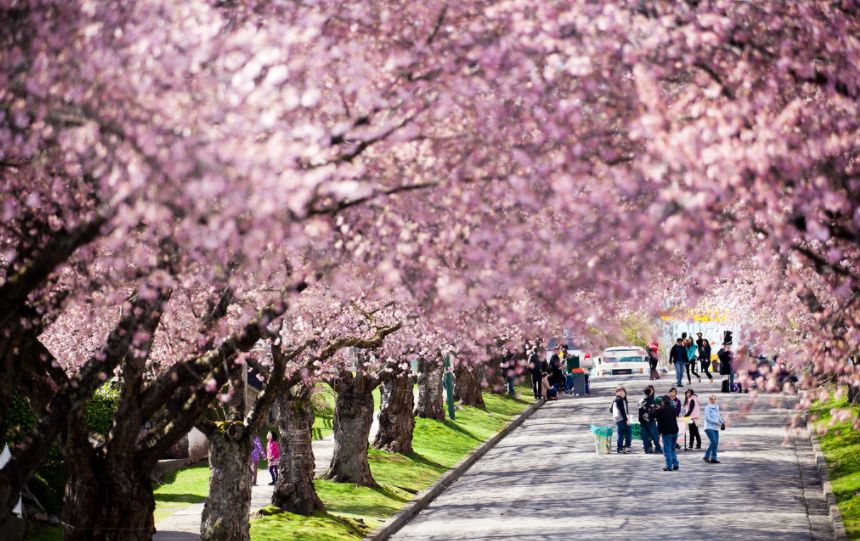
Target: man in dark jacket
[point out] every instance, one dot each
(536, 368)
(726, 368)
(647, 421)
(621, 414)
(667, 425)
(678, 357)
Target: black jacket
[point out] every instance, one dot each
(725, 362)
(667, 421)
(535, 364)
(621, 406)
(646, 409)
(705, 352)
(678, 354)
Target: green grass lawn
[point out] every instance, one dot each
(841, 447)
(353, 511)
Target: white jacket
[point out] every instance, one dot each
(713, 418)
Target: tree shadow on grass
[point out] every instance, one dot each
(457, 428)
(185, 498)
(381, 490)
(421, 459)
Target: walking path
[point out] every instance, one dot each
(544, 481)
(184, 525)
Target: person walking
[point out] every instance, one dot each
(652, 361)
(713, 424)
(705, 359)
(667, 425)
(536, 369)
(621, 414)
(648, 423)
(273, 455)
(692, 355)
(726, 368)
(256, 455)
(691, 403)
(678, 357)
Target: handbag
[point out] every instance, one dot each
(722, 426)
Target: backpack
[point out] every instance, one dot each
(644, 412)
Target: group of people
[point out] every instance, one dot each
(687, 353)
(549, 379)
(658, 420)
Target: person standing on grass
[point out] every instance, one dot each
(678, 357)
(667, 425)
(647, 421)
(691, 401)
(621, 414)
(256, 454)
(273, 455)
(713, 424)
(536, 370)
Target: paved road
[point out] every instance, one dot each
(544, 481)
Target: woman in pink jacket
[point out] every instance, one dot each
(691, 403)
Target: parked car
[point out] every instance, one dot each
(622, 361)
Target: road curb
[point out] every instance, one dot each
(395, 523)
(836, 523)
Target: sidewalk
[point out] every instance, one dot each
(184, 525)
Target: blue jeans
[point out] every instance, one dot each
(509, 381)
(679, 372)
(669, 441)
(625, 434)
(714, 439)
(649, 434)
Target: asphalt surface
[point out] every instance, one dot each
(545, 481)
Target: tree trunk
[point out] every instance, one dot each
(225, 514)
(105, 505)
(295, 490)
(395, 416)
(467, 385)
(108, 497)
(353, 415)
(430, 389)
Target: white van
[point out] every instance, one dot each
(622, 361)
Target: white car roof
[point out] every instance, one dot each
(628, 349)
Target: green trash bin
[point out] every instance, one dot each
(602, 439)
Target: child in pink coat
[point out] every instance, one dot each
(273, 455)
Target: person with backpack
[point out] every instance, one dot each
(705, 359)
(678, 357)
(653, 360)
(691, 403)
(713, 424)
(667, 425)
(621, 414)
(647, 422)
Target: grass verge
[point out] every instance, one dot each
(841, 447)
(354, 511)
